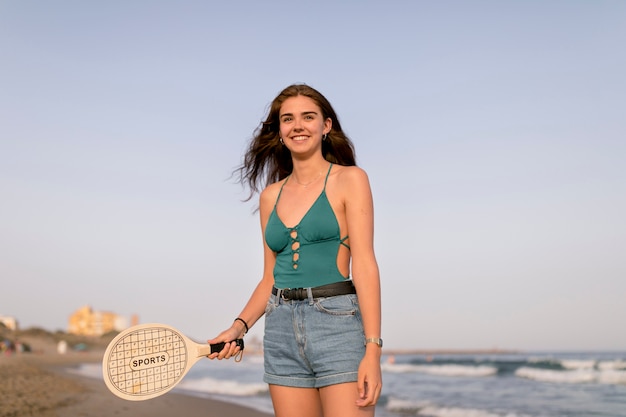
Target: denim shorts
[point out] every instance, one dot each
(313, 343)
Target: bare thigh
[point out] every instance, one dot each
(340, 401)
(300, 402)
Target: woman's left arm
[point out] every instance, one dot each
(359, 208)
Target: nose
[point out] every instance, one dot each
(297, 125)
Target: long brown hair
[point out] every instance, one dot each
(267, 160)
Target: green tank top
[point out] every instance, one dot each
(306, 254)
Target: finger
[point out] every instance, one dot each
(225, 352)
(374, 395)
(363, 388)
(230, 350)
(234, 349)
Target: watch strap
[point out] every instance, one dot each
(376, 340)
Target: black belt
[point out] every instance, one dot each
(330, 290)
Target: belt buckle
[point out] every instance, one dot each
(282, 294)
(289, 294)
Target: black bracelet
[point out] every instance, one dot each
(244, 323)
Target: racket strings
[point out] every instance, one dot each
(147, 361)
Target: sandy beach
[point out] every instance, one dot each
(40, 383)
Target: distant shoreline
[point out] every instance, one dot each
(433, 352)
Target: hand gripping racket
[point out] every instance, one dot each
(148, 360)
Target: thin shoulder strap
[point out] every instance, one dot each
(327, 174)
(281, 191)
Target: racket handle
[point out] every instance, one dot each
(217, 347)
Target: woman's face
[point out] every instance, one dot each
(302, 124)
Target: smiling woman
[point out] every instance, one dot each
(322, 342)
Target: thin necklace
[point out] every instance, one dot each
(310, 182)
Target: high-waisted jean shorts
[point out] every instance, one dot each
(313, 343)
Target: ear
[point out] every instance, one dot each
(328, 125)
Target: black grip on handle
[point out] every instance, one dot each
(219, 346)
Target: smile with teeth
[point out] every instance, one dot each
(299, 138)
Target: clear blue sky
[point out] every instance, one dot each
(493, 133)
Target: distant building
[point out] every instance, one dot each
(9, 322)
(87, 322)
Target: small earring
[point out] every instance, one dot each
(281, 141)
(325, 136)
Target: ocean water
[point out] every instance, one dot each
(530, 384)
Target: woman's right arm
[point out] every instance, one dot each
(255, 307)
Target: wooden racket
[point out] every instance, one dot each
(148, 360)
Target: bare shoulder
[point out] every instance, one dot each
(269, 195)
(352, 176)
